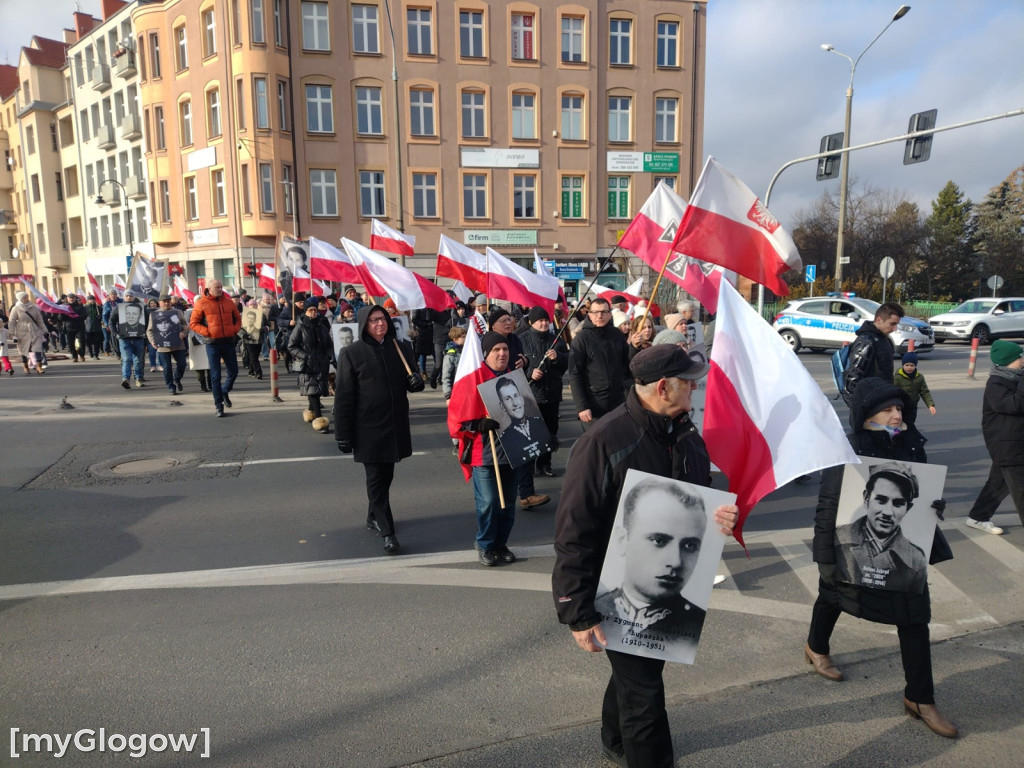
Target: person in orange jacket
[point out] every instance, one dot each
(216, 321)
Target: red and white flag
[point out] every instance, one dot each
(268, 278)
(458, 262)
(329, 262)
(407, 289)
(94, 286)
(461, 291)
(726, 224)
(465, 403)
(541, 269)
(44, 302)
(766, 420)
(384, 238)
(181, 290)
(119, 285)
(507, 280)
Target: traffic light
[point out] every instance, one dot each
(251, 270)
(920, 149)
(828, 167)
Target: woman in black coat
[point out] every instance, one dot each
(876, 417)
(312, 352)
(371, 411)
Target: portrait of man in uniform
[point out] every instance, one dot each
(166, 328)
(521, 429)
(131, 320)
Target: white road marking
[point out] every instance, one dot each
(244, 463)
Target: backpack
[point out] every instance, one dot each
(840, 362)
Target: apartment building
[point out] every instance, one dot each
(9, 265)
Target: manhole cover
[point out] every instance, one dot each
(145, 466)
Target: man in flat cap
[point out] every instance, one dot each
(875, 553)
(650, 432)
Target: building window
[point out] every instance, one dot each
(364, 29)
(471, 34)
(266, 187)
(371, 193)
(474, 196)
(282, 105)
(323, 192)
(115, 225)
(63, 236)
(209, 33)
(181, 49)
(259, 35)
(154, 54)
(572, 38)
(524, 196)
(316, 34)
(261, 102)
(278, 25)
(572, 197)
(41, 237)
(524, 116)
(668, 44)
(670, 181)
(473, 115)
(141, 230)
(521, 43)
(36, 192)
(30, 140)
(421, 112)
(165, 201)
(289, 189)
(665, 120)
(418, 29)
(572, 118)
(618, 118)
(220, 203)
(369, 116)
(240, 102)
(246, 203)
(185, 122)
(619, 50)
(104, 232)
(618, 197)
(191, 199)
(53, 136)
(158, 120)
(213, 112)
(424, 195)
(319, 109)
(90, 181)
(60, 186)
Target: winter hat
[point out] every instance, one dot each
(1005, 352)
(20, 295)
(347, 289)
(619, 317)
(671, 321)
(496, 314)
(344, 307)
(669, 336)
(491, 339)
(537, 313)
(311, 303)
(910, 357)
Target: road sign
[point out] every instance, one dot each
(128, 261)
(810, 273)
(569, 271)
(844, 259)
(887, 268)
(995, 282)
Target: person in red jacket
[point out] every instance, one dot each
(217, 322)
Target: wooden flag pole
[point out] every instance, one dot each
(654, 291)
(405, 362)
(497, 472)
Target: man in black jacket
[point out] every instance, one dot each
(650, 432)
(74, 325)
(872, 350)
(599, 364)
(548, 361)
(371, 411)
(1002, 424)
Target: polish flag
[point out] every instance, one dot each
(95, 286)
(507, 280)
(465, 403)
(407, 289)
(119, 285)
(700, 279)
(458, 262)
(384, 238)
(540, 268)
(181, 290)
(461, 291)
(268, 278)
(44, 302)
(726, 224)
(331, 263)
(766, 420)
(301, 281)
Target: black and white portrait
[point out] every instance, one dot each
(401, 323)
(885, 523)
(521, 429)
(253, 320)
(343, 335)
(147, 277)
(167, 328)
(131, 320)
(660, 566)
(292, 255)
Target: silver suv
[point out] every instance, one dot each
(829, 322)
(981, 319)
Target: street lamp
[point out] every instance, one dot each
(128, 215)
(844, 177)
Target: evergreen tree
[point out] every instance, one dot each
(950, 262)
(1001, 232)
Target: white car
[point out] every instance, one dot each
(829, 322)
(981, 319)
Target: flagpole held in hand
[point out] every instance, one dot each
(568, 315)
(497, 472)
(654, 291)
(401, 356)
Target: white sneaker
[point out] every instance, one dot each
(985, 526)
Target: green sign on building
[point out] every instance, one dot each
(661, 162)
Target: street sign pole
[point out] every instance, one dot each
(886, 269)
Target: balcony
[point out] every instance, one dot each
(105, 137)
(100, 77)
(131, 126)
(124, 65)
(7, 220)
(135, 188)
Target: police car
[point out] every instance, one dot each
(829, 322)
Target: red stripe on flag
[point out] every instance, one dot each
(508, 288)
(736, 445)
(470, 277)
(399, 247)
(337, 271)
(642, 239)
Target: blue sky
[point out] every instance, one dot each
(772, 93)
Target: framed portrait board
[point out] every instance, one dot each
(521, 429)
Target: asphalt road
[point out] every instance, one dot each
(237, 590)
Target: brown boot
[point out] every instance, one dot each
(934, 719)
(25, 366)
(823, 664)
